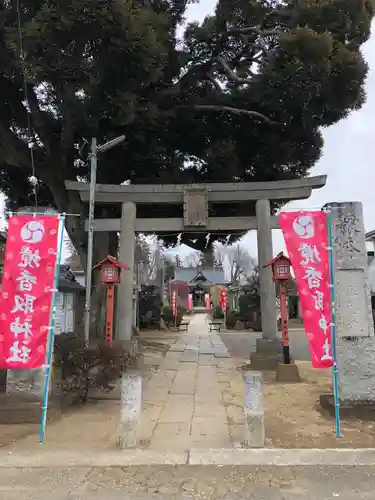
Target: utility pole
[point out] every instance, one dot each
(90, 239)
(94, 151)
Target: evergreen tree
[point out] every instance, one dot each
(243, 97)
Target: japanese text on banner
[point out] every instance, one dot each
(30, 259)
(306, 240)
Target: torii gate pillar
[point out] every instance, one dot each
(267, 286)
(124, 305)
(268, 347)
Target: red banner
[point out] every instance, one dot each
(223, 300)
(207, 300)
(30, 259)
(190, 302)
(306, 240)
(174, 304)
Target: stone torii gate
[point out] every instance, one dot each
(198, 208)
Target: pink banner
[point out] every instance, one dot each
(306, 240)
(174, 304)
(30, 259)
(207, 299)
(223, 300)
(190, 302)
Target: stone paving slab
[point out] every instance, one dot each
(185, 404)
(283, 457)
(88, 458)
(79, 460)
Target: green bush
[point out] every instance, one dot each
(231, 319)
(81, 368)
(149, 306)
(217, 313)
(168, 316)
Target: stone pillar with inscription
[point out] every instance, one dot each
(130, 410)
(355, 328)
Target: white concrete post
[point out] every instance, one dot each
(267, 286)
(131, 410)
(124, 308)
(254, 434)
(355, 328)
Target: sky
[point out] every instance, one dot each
(347, 154)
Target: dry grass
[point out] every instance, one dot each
(293, 417)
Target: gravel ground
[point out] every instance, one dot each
(241, 344)
(189, 483)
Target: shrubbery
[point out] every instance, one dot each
(78, 368)
(217, 313)
(169, 318)
(149, 307)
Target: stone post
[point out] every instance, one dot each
(254, 410)
(124, 308)
(355, 328)
(268, 347)
(131, 410)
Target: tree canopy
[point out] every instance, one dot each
(242, 97)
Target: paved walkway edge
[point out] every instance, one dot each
(283, 457)
(220, 457)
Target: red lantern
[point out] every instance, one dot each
(110, 273)
(110, 270)
(280, 268)
(110, 276)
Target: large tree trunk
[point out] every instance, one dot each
(104, 244)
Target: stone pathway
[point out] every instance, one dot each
(185, 402)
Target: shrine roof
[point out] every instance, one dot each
(190, 275)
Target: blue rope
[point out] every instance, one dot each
(51, 332)
(333, 327)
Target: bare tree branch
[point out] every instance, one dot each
(230, 109)
(241, 264)
(230, 73)
(256, 30)
(216, 84)
(192, 259)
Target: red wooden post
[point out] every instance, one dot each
(281, 274)
(284, 323)
(174, 307)
(109, 315)
(110, 269)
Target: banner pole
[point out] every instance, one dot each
(333, 327)
(51, 331)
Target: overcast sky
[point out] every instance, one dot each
(347, 155)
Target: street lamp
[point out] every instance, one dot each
(94, 151)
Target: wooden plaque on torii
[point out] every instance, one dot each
(195, 208)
